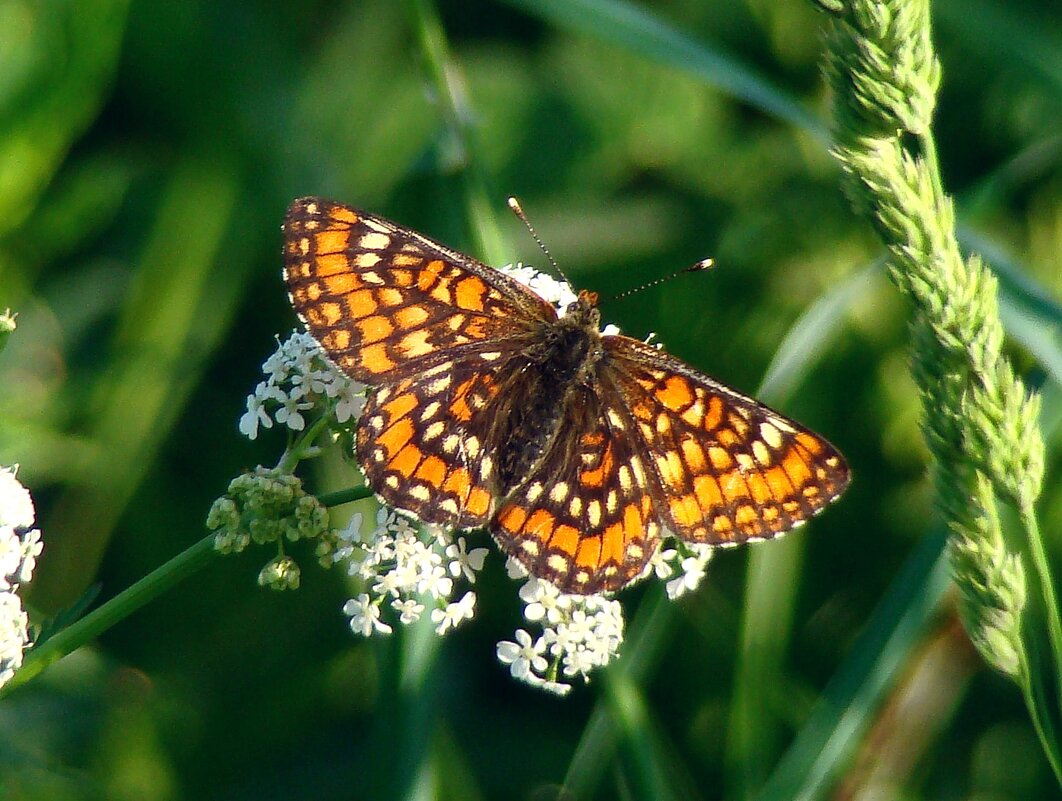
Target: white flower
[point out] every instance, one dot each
(10, 556)
(409, 610)
(364, 616)
(299, 378)
(32, 547)
(454, 613)
(14, 635)
(514, 569)
(544, 601)
(693, 568)
(464, 561)
(16, 505)
(436, 583)
(523, 656)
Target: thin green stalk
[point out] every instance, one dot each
(118, 608)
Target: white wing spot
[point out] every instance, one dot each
(559, 492)
(771, 435)
(374, 241)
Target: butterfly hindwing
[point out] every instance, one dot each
(727, 468)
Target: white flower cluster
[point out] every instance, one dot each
(298, 378)
(20, 545)
(682, 566)
(401, 569)
(581, 633)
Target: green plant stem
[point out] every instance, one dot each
(339, 497)
(1038, 557)
(158, 581)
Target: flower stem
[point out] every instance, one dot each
(113, 611)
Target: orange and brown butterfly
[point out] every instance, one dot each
(577, 450)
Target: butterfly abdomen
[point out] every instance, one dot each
(555, 368)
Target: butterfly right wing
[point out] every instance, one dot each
(386, 302)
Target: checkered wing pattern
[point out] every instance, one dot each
(584, 519)
(576, 450)
(724, 468)
(386, 302)
(427, 327)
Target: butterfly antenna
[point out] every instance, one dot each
(518, 210)
(703, 264)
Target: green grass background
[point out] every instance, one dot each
(147, 153)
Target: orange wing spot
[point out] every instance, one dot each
(770, 514)
(389, 296)
(733, 486)
(477, 328)
(361, 303)
(693, 455)
(396, 436)
(406, 461)
(566, 539)
(402, 277)
(596, 478)
(746, 517)
(332, 241)
(411, 316)
(709, 496)
(675, 394)
(427, 277)
(759, 488)
(343, 283)
(441, 292)
(809, 442)
(778, 482)
(458, 482)
(343, 214)
(478, 501)
(727, 436)
(589, 554)
(336, 340)
(375, 359)
(416, 343)
(400, 406)
(796, 468)
(713, 415)
(459, 408)
(612, 538)
(470, 292)
(432, 471)
(405, 260)
(685, 510)
(331, 264)
(633, 529)
(642, 411)
(540, 524)
(720, 457)
(670, 466)
(721, 524)
(374, 328)
(326, 314)
(512, 518)
(592, 439)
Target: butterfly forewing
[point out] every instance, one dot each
(384, 301)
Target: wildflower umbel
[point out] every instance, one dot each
(400, 569)
(20, 545)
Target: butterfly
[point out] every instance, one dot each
(487, 407)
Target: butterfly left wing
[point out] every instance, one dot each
(386, 302)
(724, 468)
(583, 519)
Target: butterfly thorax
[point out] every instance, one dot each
(558, 369)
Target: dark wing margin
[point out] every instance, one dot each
(386, 302)
(725, 468)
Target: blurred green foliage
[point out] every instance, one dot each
(147, 153)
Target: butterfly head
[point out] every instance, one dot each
(583, 312)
